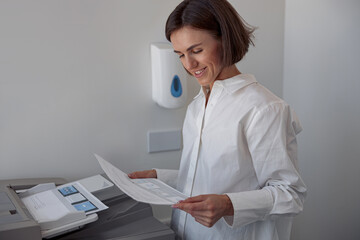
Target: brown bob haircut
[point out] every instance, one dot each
(220, 19)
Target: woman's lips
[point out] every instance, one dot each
(199, 73)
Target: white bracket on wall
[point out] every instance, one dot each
(160, 141)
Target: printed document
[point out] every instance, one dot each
(147, 190)
(53, 207)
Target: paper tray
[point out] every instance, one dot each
(69, 227)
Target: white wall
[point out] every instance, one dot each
(322, 83)
(75, 79)
(266, 59)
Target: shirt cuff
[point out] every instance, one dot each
(249, 207)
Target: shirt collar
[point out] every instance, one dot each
(233, 84)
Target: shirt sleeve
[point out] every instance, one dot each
(271, 139)
(168, 176)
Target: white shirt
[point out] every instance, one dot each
(243, 144)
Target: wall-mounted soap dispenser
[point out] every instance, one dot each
(168, 77)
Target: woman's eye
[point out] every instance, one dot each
(197, 51)
(180, 56)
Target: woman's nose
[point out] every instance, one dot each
(189, 63)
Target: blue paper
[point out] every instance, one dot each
(68, 190)
(85, 206)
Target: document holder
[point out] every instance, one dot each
(52, 211)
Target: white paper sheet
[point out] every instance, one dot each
(46, 203)
(61, 209)
(45, 206)
(85, 195)
(147, 190)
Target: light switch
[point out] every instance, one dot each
(159, 141)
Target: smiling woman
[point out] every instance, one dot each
(200, 55)
(220, 20)
(239, 158)
(206, 40)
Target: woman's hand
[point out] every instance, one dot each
(207, 209)
(143, 174)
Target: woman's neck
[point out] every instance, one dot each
(226, 73)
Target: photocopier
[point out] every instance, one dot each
(124, 219)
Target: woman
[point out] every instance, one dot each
(239, 160)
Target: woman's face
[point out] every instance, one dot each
(200, 54)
